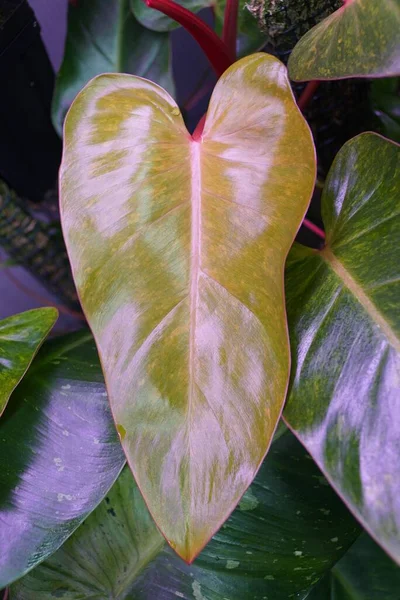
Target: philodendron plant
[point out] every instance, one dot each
(178, 244)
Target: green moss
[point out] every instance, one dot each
(286, 21)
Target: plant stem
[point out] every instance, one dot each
(314, 228)
(307, 94)
(213, 47)
(229, 32)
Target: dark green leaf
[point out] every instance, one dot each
(287, 531)
(59, 453)
(385, 99)
(104, 37)
(364, 573)
(361, 39)
(344, 319)
(20, 338)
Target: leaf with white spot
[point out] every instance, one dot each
(257, 553)
(364, 573)
(344, 320)
(52, 473)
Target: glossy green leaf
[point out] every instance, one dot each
(364, 573)
(104, 37)
(59, 453)
(288, 530)
(250, 38)
(344, 319)
(20, 338)
(177, 248)
(361, 39)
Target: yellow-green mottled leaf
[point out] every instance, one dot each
(178, 247)
(344, 319)
(20, 338)
(361, 39)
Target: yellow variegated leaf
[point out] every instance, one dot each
(178, 248)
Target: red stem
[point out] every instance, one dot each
(307, 94)
(5, 594)
(197, 133)
(214, 48)
(314, 228)
(229, 32)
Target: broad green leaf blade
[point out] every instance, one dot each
(104, 37)
(345, 323)
(20, 338)
(364, 573)
(288, 530)
(177, 248)
(59, 453)
(156, 20)
(361, 39)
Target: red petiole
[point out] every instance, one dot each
(314, 228)
(307, 94)
(214, 48)
(229, 32)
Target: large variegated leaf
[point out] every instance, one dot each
(20, 338)
(364, 573)
(59, 453)
(344, 318)
(177, 247)
(104, 37)
(288, 530)
(361, 39)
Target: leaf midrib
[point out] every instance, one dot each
(195, 267)
(357, 291)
